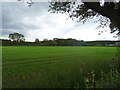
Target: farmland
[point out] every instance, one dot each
(52, 67)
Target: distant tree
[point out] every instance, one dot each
(69, 42)
(45, 39)
(37, 40)
(16, 37)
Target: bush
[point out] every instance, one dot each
(109, 80)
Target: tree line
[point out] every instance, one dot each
(16, 39)
(60, 42)
(45, 42)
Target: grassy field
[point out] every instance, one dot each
(52, 67)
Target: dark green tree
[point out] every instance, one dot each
(16, 37)
(37, 40)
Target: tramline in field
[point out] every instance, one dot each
(36, 66)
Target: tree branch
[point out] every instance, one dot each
(104, 11)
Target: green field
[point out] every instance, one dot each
(52, 67)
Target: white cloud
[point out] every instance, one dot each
(58, 27)
(39, 23)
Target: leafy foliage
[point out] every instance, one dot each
(109, 80)
(16, 37)
(108, 14)
(37, 40)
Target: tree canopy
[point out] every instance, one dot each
(16, 37)
(109, 13)
(37, 40)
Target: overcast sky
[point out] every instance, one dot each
(37, 22)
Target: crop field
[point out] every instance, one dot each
(52, 67)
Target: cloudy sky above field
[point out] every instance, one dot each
(37, 22)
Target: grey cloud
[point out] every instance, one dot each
(6, 32)
(0, 15)
(14, 12)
